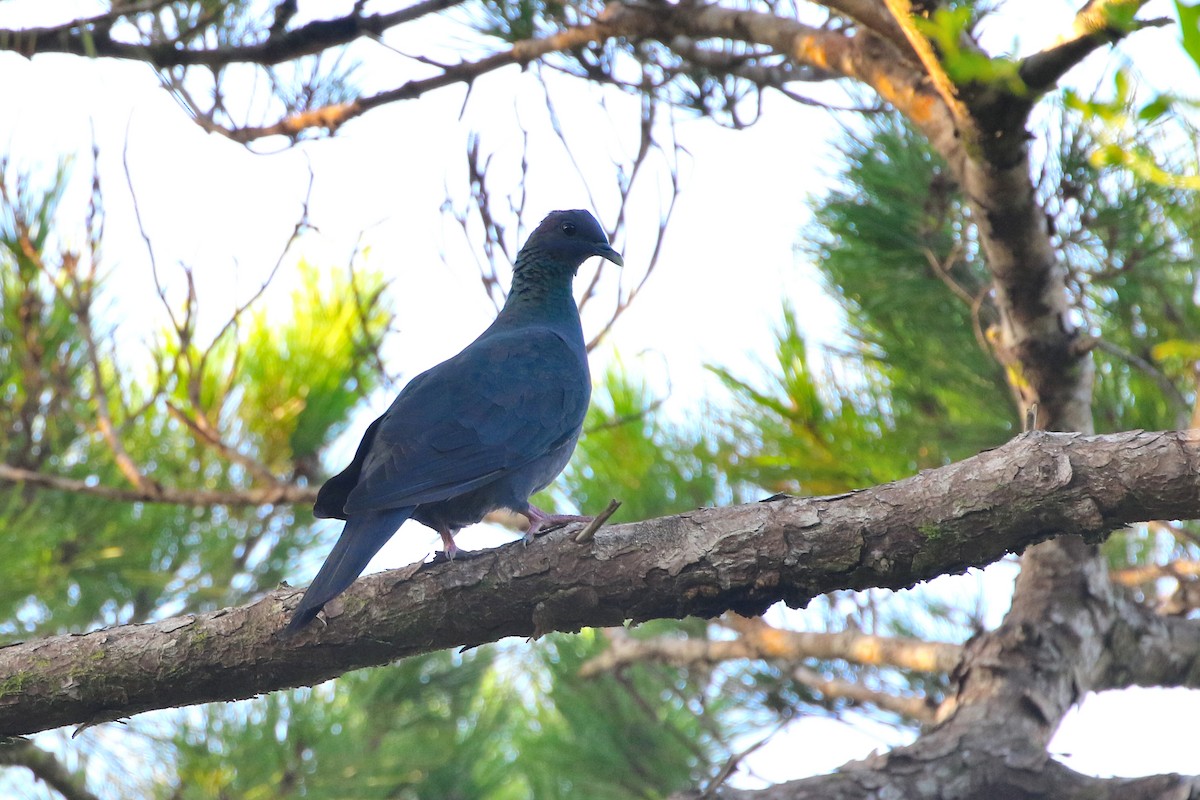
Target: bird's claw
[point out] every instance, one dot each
(454, 555)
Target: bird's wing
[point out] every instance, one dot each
(506, 400)
(331, 499)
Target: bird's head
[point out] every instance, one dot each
(568, 238)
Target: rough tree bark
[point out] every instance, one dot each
(702, 563)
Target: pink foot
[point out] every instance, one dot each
(540, 521)
(449, 548)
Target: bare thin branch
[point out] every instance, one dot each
(912, 707)
(1170, 391)
(45, 767)
(761, 641)
(269, 495)
(91, 37)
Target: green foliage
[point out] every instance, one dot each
(799, 432)
(1189, 29)
(266, 394)
(916, 389)
(1129, 244)
(42, 354)
(628, 452)
(948, 28)
(424, 727)
(305, 366)
(896, 247)
(1128, 123)
(642, 733)
(486, 725)
(518, 20)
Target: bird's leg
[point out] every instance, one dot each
(540, 521)
(448, 545)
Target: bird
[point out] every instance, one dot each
(481, 431)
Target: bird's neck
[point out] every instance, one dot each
(540, 291)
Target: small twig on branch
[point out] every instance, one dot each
(625, 419)
(734, 761)
(589, 531)
(198, 425)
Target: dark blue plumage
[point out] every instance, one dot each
(480, 431)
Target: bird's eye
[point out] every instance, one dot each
(568, 228)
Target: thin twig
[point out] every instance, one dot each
(731, 764)
(589, 531)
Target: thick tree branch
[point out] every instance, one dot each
(701, 563)
(901, 11)
(870, 59)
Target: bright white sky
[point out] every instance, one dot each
(728, 261)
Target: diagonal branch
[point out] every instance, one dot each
(702, 563)
(91, 37)
(45, 767)
(1098, 23)
(334, 116)
(875, 16)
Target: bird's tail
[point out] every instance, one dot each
(361, 539)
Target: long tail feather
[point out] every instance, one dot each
(361, 539)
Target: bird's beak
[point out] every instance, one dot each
(606, 251)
